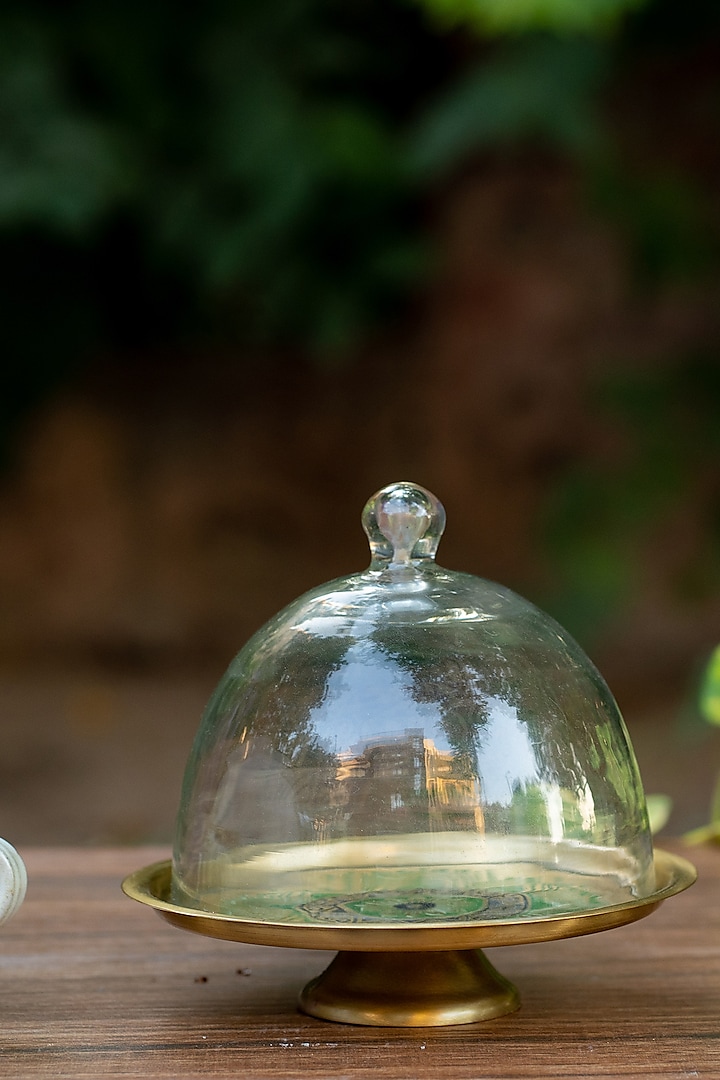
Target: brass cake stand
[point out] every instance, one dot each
(409, 975)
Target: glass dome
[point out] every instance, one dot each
(410, 745)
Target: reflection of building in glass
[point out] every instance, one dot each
(400, 781)
(454, 800)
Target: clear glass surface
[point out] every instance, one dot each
(410, 745)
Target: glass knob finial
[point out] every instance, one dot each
(404, 523)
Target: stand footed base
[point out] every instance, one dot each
(420, 981)
(426, 989)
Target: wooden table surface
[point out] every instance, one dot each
(95, 985)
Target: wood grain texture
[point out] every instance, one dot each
(93, 985)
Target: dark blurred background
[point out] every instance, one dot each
(259, 260)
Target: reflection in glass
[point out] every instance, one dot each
(410, 744)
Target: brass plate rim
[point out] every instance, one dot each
(150, 886)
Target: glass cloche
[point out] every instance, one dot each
(410, 746)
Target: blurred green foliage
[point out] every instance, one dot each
(604, 514)
(710, 691)
(709, 703)
(252, 151)
(537, 91)
(518, 16)
(261, 172)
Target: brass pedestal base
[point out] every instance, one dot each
(409, 989)
(407, 976)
